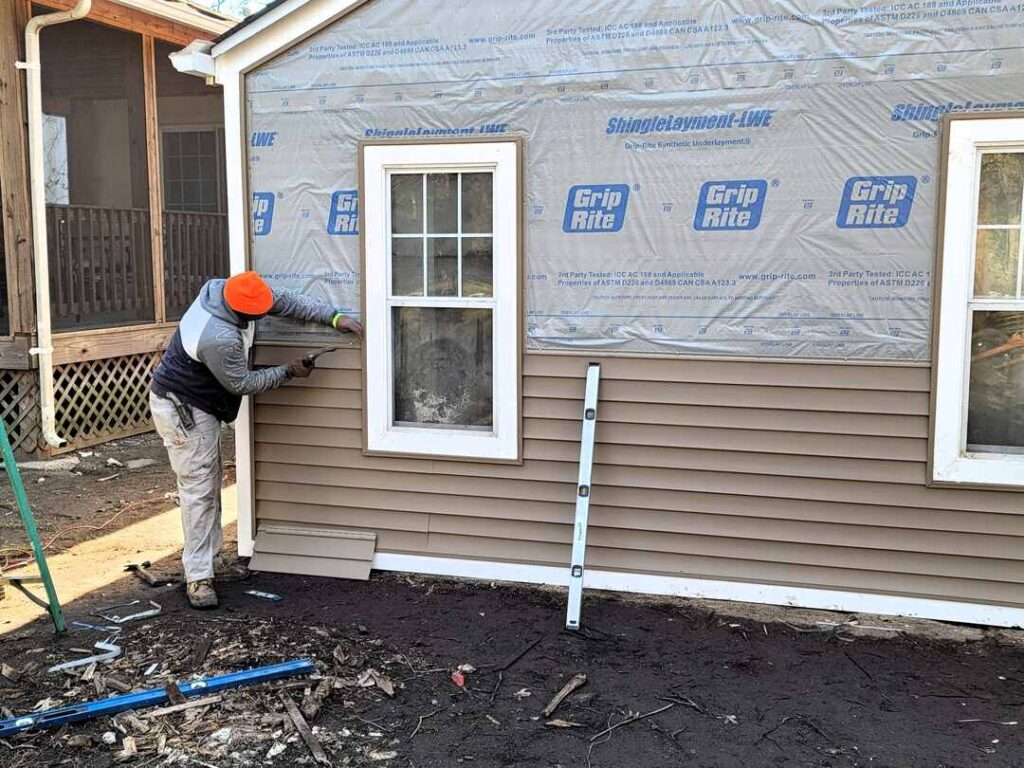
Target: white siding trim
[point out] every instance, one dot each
(709, 589)
(275, 32)
(951, 462)
(238, 248)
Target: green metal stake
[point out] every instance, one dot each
(30, 527)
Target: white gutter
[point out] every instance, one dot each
(33, 79)
(195, 59)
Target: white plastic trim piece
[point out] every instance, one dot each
(243, 481)
(238, 233)
(710, 589)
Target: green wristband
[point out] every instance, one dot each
(334, 320)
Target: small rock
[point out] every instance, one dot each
(112, 462)
(109, 738)
(140, 463)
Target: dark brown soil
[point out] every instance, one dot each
(94, 498)
(741, 693)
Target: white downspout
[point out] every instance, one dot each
(44, 341)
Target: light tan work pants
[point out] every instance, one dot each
(195, 459)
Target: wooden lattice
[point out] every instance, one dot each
(100, 400)
(19, 408)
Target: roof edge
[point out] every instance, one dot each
(252, 25)
(185, 13)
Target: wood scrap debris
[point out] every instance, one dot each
(577, 680)
(302, 727)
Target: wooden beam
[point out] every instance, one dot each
(133, 20)
(156, 177)
(14, 354)
(14, 170)
(101, 343)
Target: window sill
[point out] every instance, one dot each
(991, 471)
(456, 444)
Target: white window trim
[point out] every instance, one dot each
(502, 442)
(951, 462)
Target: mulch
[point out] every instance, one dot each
(416, 672)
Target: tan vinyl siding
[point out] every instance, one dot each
(795, 474)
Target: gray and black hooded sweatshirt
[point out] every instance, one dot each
(207, 362)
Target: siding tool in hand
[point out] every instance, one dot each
(579, 534)
(311, 358)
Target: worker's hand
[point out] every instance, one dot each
(348, 325)
(301, 368)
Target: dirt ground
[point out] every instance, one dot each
(727, 691)
(100, 494)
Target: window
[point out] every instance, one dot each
(979, 392)
(192, 170)
(442, 299)
(55, 160)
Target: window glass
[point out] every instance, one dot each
(998, 258)
(995, 413)
(442, 202)
(995, 265)
(477, 203)
(55, 160)
(1000, 188)
(477, 266)
(407, 266)
(442, 266)
(459, 249)
(995, 408)
(190, 164)
(443, 367)
(407, 203)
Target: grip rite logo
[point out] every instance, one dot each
(263, 138)
(876, 202)
(595, 208)
(344, 215)
(730, 205)
(262, 213)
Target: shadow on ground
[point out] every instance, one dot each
(733, 692)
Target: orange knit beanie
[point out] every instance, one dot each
(248, 294)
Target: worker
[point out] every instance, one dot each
(200, 383)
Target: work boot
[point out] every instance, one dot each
(201, 594)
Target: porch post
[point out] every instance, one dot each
(156, 179)
(14, 170)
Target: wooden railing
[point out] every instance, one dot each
(195, 249)
(101, 266)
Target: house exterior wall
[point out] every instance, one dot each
(804, 475)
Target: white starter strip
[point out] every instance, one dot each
(709, 589)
